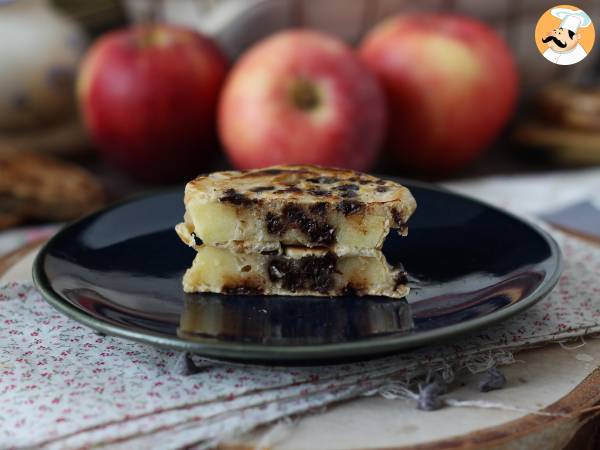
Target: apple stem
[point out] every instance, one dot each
(304, 95)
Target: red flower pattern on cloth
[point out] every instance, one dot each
(64, 386)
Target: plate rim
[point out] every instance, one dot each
(232, 351)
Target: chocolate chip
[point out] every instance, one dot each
(318, 231)
(349, 207)
(348, 190)
(319, 209)
(242, 290)
(312, 224)
(347, 187)
(293, 213)
(382, 189)
(350, 291)
(318, 192)
(277, 270)
(397, 217)
(274, 224)
(401, 278)
(492, 379)
(306, 273)
(197, 240)
(262, 188)
(380, 182)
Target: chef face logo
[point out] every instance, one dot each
(564, 35)
(561, 40)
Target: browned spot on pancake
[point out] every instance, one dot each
(380, 182)
(323, 180)
(290, 190)
(270, 172)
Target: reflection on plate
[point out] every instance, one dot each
(291, 320)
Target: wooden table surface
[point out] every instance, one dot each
(550, 379)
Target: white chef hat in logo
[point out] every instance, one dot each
(571, 19)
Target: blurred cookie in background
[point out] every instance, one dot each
(564, 127)
(45, 189)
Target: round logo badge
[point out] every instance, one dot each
(564, 35)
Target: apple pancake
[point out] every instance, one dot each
(295, 271)
(261, 210)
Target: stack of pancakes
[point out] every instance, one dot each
(294, 230)
(566, 127)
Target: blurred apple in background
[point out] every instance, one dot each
(301, 97)
(451, 85)
(148, 95)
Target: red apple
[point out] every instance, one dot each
(451, 85)
(148, 95)
(301, 97)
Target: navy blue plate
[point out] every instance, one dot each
(119, 271)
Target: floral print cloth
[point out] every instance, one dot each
(64, 386)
